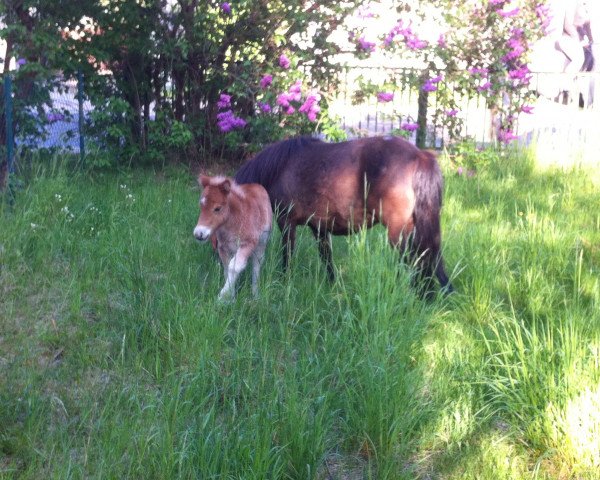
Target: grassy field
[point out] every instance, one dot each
(116, 360)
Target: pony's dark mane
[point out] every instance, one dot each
(267, 165)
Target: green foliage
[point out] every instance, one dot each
(178, 58)
(467, 156)
(110, 135)
(168, 139)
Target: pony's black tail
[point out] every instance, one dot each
(428, 184)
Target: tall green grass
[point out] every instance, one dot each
(118, 362)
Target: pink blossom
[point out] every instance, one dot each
(366, 45)
(312, 116)
(385, 97)
(459, 170)
(484, 87)
(515, 43)
(506, 136)
(522, 73)
(310, 106)
(410, 127)
(429, 86)
(289, 110)
(415, 44)
(452, 113)
(224, 101)
(284, 61)
(264, 107)
(309, 103)
(296, 87)
(226, 8)
(509, 13)
(527, 109)
(441, 41)
(398, 29)
(265, 81)
(227, 121)
(410, 38)
(543, 13)
(295, 91)
(283, 99)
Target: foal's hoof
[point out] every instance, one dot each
(225, 297)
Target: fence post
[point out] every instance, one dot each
(9, 125)
(80, 101)
(422, 104)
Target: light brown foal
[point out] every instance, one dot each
(239, 217)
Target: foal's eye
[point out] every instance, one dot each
(217, 209)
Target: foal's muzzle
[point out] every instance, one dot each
(201, 233)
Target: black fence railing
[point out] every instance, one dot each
(571, 97)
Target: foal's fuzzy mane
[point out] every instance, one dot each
(235, 187)
(267, 165)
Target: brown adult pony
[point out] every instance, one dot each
(337, 188)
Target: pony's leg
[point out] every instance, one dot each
(397, 216)
(324, 243)
(431, 263)
(288, 239)
(257, 259)
(232, 271)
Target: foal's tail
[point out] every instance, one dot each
(428, 185)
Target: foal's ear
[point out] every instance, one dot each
(225, 186)
(203, 180)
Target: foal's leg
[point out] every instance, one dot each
(257, 259)
(232, 271)
(324, 243)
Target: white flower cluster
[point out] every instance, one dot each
(129, 196)
(68, 214)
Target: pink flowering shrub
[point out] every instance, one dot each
(483, 51)
(284, 105)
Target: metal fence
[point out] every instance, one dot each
(565, 108)
(56, 124)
